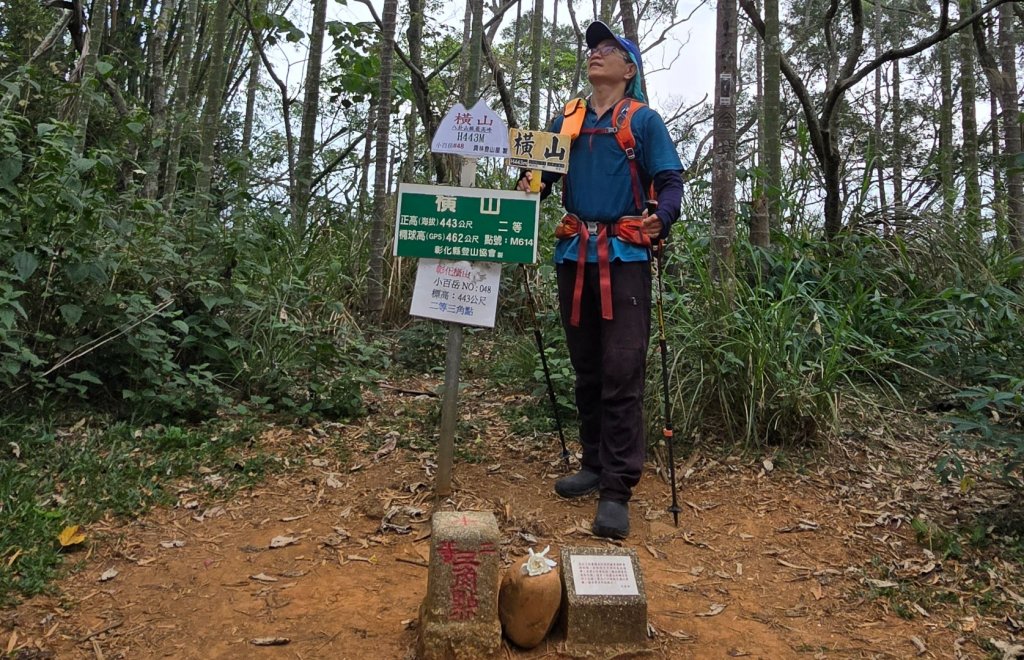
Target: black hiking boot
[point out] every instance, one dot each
(612, 519)
(582, 483)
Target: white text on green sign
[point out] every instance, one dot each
(445, 222)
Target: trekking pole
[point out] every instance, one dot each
(544, 365)
(667, 430)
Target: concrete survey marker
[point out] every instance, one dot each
(604, 602)
(459, 618)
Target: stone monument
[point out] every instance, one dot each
(459, 618)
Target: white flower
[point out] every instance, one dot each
(538, 564)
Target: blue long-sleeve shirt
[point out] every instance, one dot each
(599, 185)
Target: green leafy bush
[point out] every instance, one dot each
(106, 297)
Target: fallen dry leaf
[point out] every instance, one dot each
(269, 641)
(714, 610)
(1010, 651)
(172, 544)
(109, 575)
(71, 536)
(793, 566)
(282, 541)
(369, 560)
(388, 447)
(263, 577)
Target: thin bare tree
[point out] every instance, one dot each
(723, 176)
(300, 194)
(379, 222)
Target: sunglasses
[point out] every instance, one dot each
(604, 51)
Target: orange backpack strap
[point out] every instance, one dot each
(573, 115)
(621, 116)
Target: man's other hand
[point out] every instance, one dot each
(652, 225)
(524, 183)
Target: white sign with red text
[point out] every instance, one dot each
(463, 292)
(475, 133)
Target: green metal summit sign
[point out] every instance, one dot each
(466, 224)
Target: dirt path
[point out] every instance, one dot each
(817, 561)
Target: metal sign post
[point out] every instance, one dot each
(453, 359)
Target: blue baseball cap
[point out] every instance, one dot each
(597, 32)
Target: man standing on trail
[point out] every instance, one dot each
(620, 151)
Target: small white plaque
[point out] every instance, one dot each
(603, 575)
(463, 292)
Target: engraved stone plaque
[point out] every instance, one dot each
(604, 603)
(603, 575)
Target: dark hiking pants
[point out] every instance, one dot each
(610, 362)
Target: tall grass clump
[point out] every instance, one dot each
(809, 323)
(766, 366)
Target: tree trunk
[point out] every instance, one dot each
(379, 222)
(471, 89)
(215, 77)
(723, 181)
(578, 71)
(181, 95)
(772, 159)
(1011, 128)
(310, 109)
(946, 131)
(536, 47)
(89, 82)
(467, 25)
(630, 31)
(251, 87)
(833, 184)
(158, 103)
(878, 140)
(552, 54)
(759, 196)
(897, 152)
(420, 88)
(998, 189)
(507, 102)
(969, 125)
(517, 32)
(364, 163)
